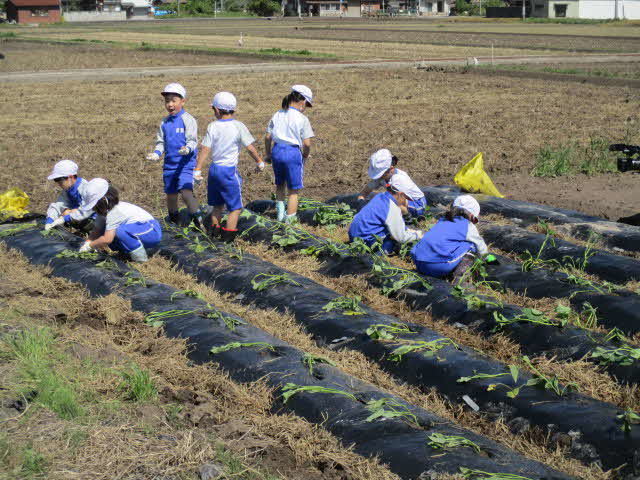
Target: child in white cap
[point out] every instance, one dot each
(177, 139)
(223, 141)
(450, 246)
(381, 218)
(121, 226)
(287, 145)
(382, 166)
(70, 207)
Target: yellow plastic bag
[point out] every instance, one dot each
(13, 203)
(472, 178)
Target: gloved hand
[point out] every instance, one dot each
(153, 156)
(260, 167)
(57, 222)
(197, 177)
(86, 247)
(184, 150)
(418, 233)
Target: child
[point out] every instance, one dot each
(290, 133)
(121, 226)
(449, 246)
(381, 218)
(177, 138)
(223, 141)
(382, 166)
(70, 208)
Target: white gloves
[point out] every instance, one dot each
(197, 177)
(260, 167)
(419, 233)
(57, 222)
(184, 150)
(86, 247)
(154, 157)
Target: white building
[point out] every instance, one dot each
(596, 9)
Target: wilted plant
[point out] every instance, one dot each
(262, 281)
(440, 441)
(291, 389)
(234, 345)
(383, 331)
(390, 408)
(347, 305)
(309, 361)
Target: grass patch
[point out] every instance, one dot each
(592, 159)
(572, 21)
(138, 385)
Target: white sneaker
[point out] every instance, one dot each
(139, 255)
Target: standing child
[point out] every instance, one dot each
(177, 138)
(382, 166)
(381, 218)
(449, 247)
(119, 225)
(223, 141)
(289, 133)
(70, 207)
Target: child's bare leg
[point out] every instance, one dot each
(280, 190)
(292, 205)
(172, 203)
(216, 215)
(232, 219)
(190, 200)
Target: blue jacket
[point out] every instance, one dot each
(381, 217)
(175, 132)
(447, 242)
(70, 200)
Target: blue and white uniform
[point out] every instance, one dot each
(417, 202)
(175, 132)
(288, 129)
(226, 138)
(134, 226)
(71, 199)
(443, 246)
(382, 218)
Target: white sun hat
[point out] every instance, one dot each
(63, 168)
(224, 101)
(468, 203)
(175, 88)
(305, 92)
(401, 183)
(379, 163)
(96, 189)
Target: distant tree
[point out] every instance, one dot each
(263, 8)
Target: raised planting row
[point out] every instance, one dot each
(610, 305)
(409, 439)
(537, 334)
(411, 352)
(579, 225)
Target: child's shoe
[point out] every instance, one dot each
(139, 255)
(174, 217)
(215, 231)
(227, 235)
(291, 219)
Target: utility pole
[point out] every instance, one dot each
(524, 11)
(615, 15)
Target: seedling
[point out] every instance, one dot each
(262, 281)
(530, 315)
(439, 441)
(545, 228)
(389, 408)
(53, 232)
(395, 278)
(615, 335)
(387, 332)
(309, 361)
(66, 253)
(291, 389)
(471, 474)
(233, 251)
(327, 248)
(623, 356)
(534, 262)
(512, 392)
(230, 322)
(431, 347)
(286, 238)
(628, 418)
(548, 383)
(340, 214)
(134, 278)
(347, 305)
(198, 246)
(17, 229)
(107, 264)
(474, 302)
(405, 249)
(157, 319)
(588, 319)
(234, 345)
(186, 293)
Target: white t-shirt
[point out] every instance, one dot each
(226, 138)
(414, 192)
(290, 126)
(122, 214)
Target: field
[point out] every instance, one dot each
(434, 119)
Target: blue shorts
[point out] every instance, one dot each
(179, 179)
(417, 207)
(288, 165)
(224, 187)
(131, 236)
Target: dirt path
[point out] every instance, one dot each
(137, 72)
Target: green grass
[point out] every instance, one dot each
(570, 158)
(33, 464)
(138, 385)
(572, 21)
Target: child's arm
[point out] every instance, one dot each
(256, 156)
(103, 240)
(203, 154)
(474, 237)
(267, 147)
(57, 208)
(190, 134)
(397, 228)
(157, 153)
(306, 148)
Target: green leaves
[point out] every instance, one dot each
(310, 361)
(262, 281)
(623, 356)
(186, 293)
(157, 319)
(512, 392)
(348, 305)
(530, 315)
(234, 345)
(381, 331)
(471, 474)
(390, 408)
(440, 441)
(628, 418)
(66, 253)
(230, 322)
(291, 389)
(548, 383)
(429, 348)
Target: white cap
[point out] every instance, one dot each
(175, 88)
(96, 189)
(401, 183)
(468, 203)
(224, 101)
(63, 168)
(379, 163)
(305, 92)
